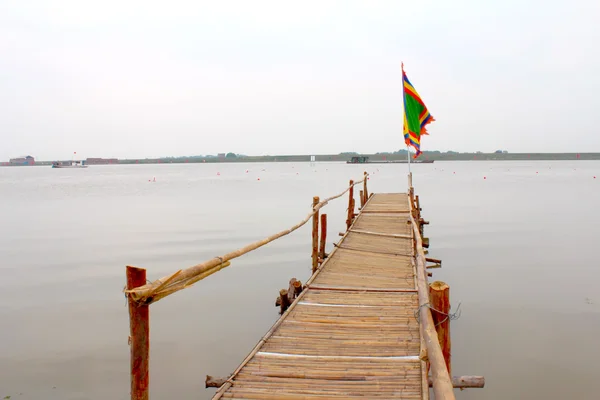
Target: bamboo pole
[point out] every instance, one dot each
(422, 344)
(442, 384)
(139, 337)
(350, 205)
(315, 235)
(462, 382)
(147, 294)
(439, 296)
(424, 379)
(411, 193)
(323, 241)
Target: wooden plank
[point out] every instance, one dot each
(394, 235)
(352, 333)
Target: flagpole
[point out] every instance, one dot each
(403, 123)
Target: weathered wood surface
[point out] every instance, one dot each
(139, 337)
(352, 333)
(439, 296)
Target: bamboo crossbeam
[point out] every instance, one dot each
(442, 384)
(370, 251)
(360, 289)
(392, 235)
(458, 382)
(148, 293)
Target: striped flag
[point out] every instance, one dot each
(416, 115)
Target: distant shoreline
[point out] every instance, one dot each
(437, 156)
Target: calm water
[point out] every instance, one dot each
(518, 249)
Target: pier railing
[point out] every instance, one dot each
(141, 294)
(431, 350)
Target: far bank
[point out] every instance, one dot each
(342, 157)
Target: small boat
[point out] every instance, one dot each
(74, 164)
(365, 160)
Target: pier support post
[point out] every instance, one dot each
(350, 205)
(315, 236)
(139, 337)
(362, 199)
(439, 298)
(284, 301)
(365, 188)
(419, 219)
(323, 240)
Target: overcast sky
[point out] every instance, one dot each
(145, 79)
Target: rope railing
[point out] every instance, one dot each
(184, 278)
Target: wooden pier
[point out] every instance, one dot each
(363, 326)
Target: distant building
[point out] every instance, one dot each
(101, 161)
(25, 160)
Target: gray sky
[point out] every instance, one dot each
(144, 79)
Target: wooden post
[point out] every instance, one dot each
(284, 301)
(315, 236)
(139, 337)
(350, 206)
(419, 219)
(323, 241)
(362, 199)
(463, 382)
(294, 289)
(439, 295)
(365, 188)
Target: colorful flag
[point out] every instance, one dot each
(416, 115)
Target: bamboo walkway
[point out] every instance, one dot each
(353, 332)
